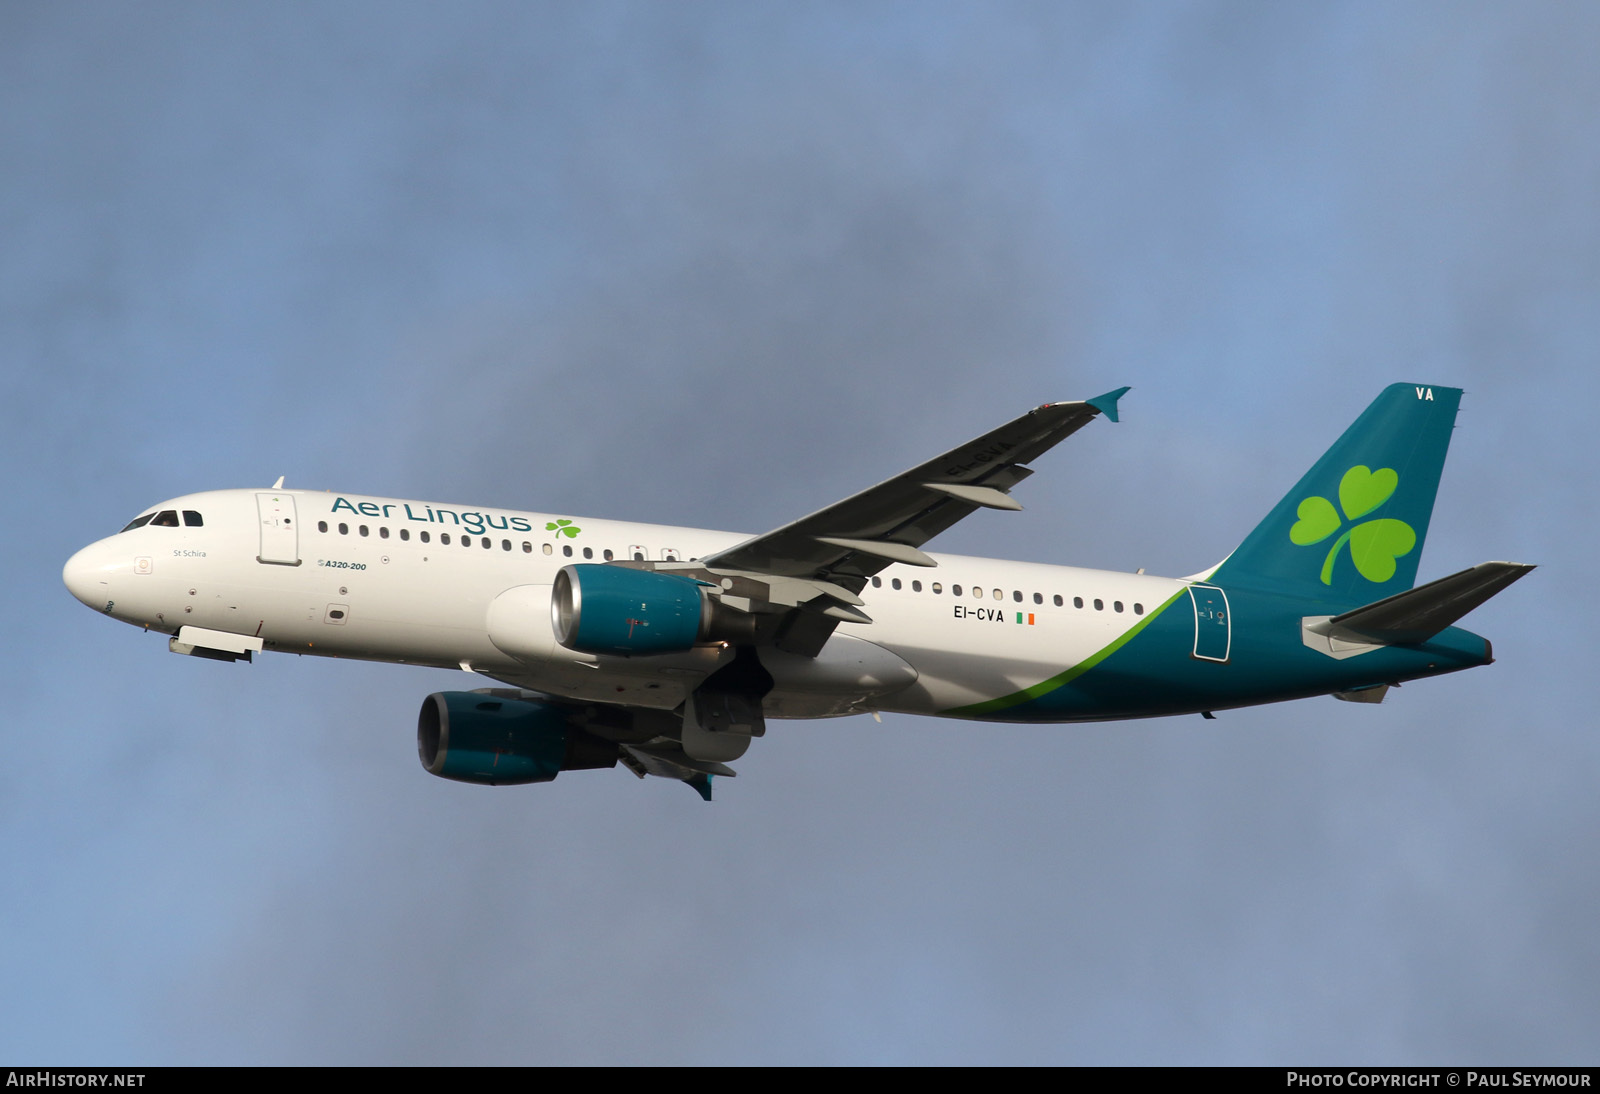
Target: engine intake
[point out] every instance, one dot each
(613, 609)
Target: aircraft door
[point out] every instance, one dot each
(1213, 630)
(280, 538)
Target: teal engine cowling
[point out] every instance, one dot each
(613, 609)
(475, 737)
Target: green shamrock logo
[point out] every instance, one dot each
(563, 528)
(1374, 544)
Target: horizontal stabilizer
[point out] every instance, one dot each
(1418, 614)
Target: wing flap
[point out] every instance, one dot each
(672, 762)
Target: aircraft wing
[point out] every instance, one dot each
(851, 540)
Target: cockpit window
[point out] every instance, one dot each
(137, 522)
(191, 519)
(167, 518)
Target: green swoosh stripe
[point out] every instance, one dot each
(1045, 687)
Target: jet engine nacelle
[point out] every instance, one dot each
(473, 737)
(613, 609)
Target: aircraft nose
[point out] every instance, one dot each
(85, 578)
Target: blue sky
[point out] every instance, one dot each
(720, 264)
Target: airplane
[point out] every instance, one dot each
(667, 649)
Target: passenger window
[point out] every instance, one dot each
(444, 538)
(955, 590)
(362, 529)
(588, 552)
(977, 593)
(877, 583)
(999, 594)
(405, 533)
(1058, 600)
(167, 518)
(423, 536)
(1016, 594)
(1077, 602)
(505, 545)
(138, 522)
(916, 586)
(547, 549)
(937, 588)
(566, 549)
(1038, 598)
(1099, 605)
(487, 543)
(322, 526)
(466, 541)
(344, 529)
(606, 554)
(1138, 609)
(191, 519)
(527, 548)
(894, 583)
(383, 533)
(1116, 605)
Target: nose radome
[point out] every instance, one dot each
(85, 579)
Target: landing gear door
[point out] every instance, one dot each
(280, 538)
(1212, 628)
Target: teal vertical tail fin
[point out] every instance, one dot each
(1352, 530)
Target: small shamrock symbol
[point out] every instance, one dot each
(1374, 544)
(563, 528)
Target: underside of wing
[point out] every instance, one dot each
(504, 736)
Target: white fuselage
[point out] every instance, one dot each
(421, 583)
